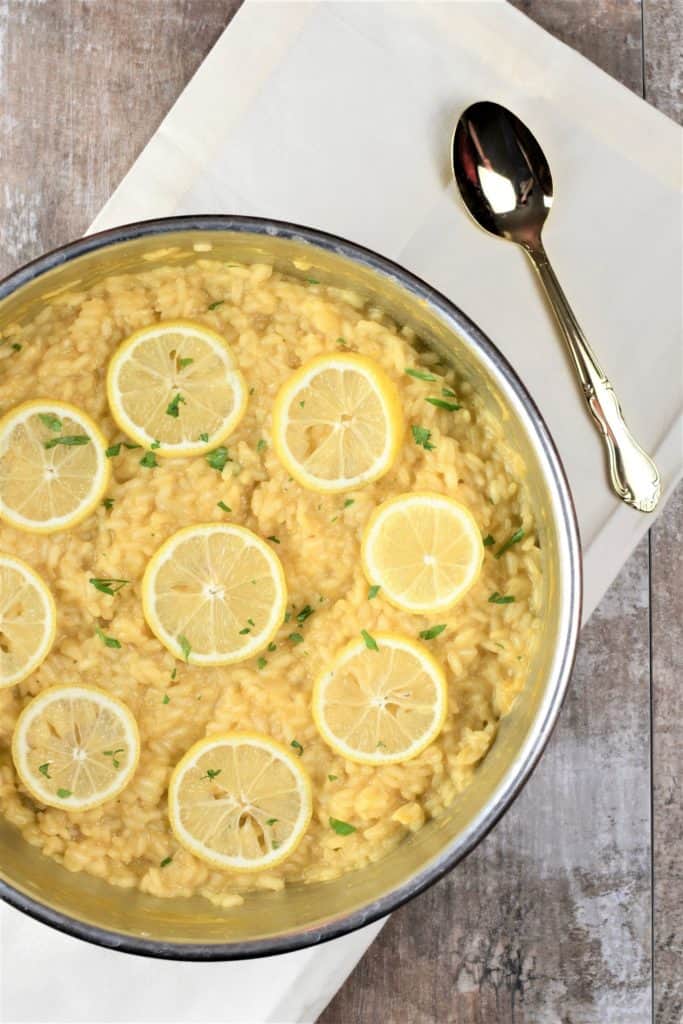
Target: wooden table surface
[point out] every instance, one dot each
(571, 910)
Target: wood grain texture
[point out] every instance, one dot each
(549, 920)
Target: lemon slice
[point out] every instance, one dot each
(214, 594)
(176, 383)
(53, 467)
(28, 620)
(240, 801)
(381, 706)
(75, 747)
(424, 550)
(337, 423)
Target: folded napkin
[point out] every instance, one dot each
(339, 115)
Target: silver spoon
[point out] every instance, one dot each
(505, 182)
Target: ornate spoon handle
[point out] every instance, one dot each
(634, 476)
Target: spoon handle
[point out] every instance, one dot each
(634, 476)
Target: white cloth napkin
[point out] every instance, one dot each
(338, 115)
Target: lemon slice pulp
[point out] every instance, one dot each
(53, 467)
(75, 747)
(381, 706)
(337, 423)
(27, 620)
(176, 383)
(239, 801)
(424, 550)
(214, 594)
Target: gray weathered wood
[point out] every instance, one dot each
(549, 920)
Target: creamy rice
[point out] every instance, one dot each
(274, 324)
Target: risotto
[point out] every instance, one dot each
(484, 643)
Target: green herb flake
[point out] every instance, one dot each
(15, 346)
(497, 598)
(211, 773)
(165, 699)
(288, 616)
(108, 504)
(432, 632)
(447, 392)
(261, 663)
(204, 438)
(488, 541)
(154, 445)
(304, 614)
(514, 539)
(342, 828)
(374, 591)
(218, 458)
(275, 540)
(113, 450)
(50, 421)
(107, 585)
(174, 673)
(272, 647)
(185, 361)
(349, 502)
(420, 374)
(173, 407)
(69, 440)
(223, 506)
(422, 436)
(313, 280)
(44, 769)
(251, 622)
(185, 647)
(333, 778)
(247, 629)
(215, 305)
(341, 343)
(369, 640)
(302, 403)
(262, 445)
(295, 638)
(63, 793)
(165, 862)
(131, 447)
(112, 754)
(149, 460)
(297, 746)
(441, 403)
(275, 845)
(272, 821)
(108, 641)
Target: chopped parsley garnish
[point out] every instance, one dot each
(272, 821)
(165, 699)
(115, 449)
(288, 616)
(313, 280)
(185, 361)
(441, 403)
(262, 445)
(275, 540)
(342, 828)
(488, 541)
(514, 539)
(275, 845)
(432, 632)
(217, 458)
(272, 647)
(173, 407)
(50, 421)
(374, 591)
(304, 614)
(149, 460)
(222, 505)
(341, 342)
(261, 663)
(333, 778)
(174, 673)
(108, 641)
(297, 746)
(420, 374)
(302, 403)
(70, 440)
(421, 436)
(165, 862)
(295, 638)
(497, 598)
(251, 622)
(108, 504)
(247, 629)
(112, 754)
(63, 793)
(204, 438)
(185, 646)
(349, 502)
(154, 445)
(447, 393)
(215, 305)
(15, 346)
(44, 769)
(107, 585)
(370, 641)
(211, 773)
